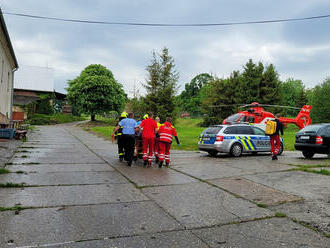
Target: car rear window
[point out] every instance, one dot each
(212, 130)
(231, 130)
(245, 130)
(310, 129)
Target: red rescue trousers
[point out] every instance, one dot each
(275, 144)
(164, 151)
(148, 143)
(156, 147)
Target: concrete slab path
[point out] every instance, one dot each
(66, 188)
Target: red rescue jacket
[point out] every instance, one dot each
(166, 132)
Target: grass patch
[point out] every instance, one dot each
(290, 137)
(321, 172)
(20, 172)
(4, 171)
(188, 132)
(23, 151)
(41, 119)
(262, 205)
(308, 166)
(327, 235)
(12, 185)
(30, 163)
(105, 131)
(280, 215)
(15, 208)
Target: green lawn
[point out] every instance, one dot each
(189, 130)
(289, 137)
(105, 131)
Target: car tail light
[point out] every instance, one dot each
(319, 140)
(219, 138)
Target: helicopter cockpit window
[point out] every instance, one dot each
(251, 119)
(243, 119)
(233, 118)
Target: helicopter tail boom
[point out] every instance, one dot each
(302, 118)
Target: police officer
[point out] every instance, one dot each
(128, 124)
(119, 136)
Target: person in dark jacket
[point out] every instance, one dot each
(119, 136)
(275, 141)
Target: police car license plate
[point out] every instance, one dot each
(206, 139)
(304, 137)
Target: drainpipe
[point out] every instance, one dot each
(12, 96)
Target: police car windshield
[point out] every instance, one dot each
(212, 130)
(234, 118)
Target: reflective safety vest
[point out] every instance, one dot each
(166, 132)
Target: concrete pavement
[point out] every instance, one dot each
(71, 191)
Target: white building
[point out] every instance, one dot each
(8, 65)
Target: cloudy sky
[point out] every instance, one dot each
(297, 49)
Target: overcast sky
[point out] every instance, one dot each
(297, 49)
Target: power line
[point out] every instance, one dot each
(168, 24)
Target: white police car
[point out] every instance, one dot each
(235, 139)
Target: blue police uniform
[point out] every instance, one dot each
(129, 126)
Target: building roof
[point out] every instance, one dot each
(10, 47)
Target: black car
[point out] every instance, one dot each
(313, 139)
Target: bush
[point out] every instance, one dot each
(41, 119)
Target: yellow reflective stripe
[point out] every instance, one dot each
(237, 137)
(249, 142)
(244, 144)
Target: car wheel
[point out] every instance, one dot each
(280, 151)
(213, 153)
(236, 150)
(308, 154)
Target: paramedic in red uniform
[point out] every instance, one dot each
(149, 126)
(275, 141)
(166, 131)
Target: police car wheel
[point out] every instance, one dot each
(213, 153)
(236, 150)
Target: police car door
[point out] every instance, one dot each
(246, 136)
(261, 140)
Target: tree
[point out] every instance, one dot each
(293, 94)
(270, 86)
(249, 90)
(320, 102)
(190, 99)
(161, 85)
(218, 103)
(95, 91)
(255, 84)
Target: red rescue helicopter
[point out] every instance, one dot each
(257, 116)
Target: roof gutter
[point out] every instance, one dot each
(3, 24)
